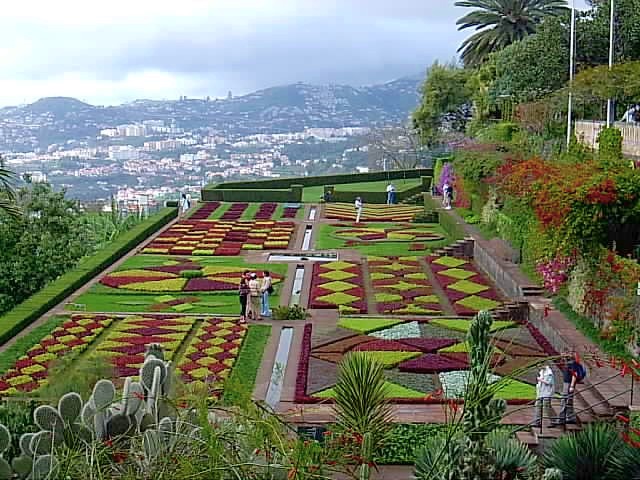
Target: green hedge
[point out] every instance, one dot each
(56, 291)
(373, 197)
(293, 194)
(447, 222)
(320, 180)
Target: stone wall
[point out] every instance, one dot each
(587, 133)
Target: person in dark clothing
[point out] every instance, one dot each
(571, 375)
(243, 292)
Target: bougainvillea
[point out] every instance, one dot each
(211, 237)
(31, 371)
(555, 272)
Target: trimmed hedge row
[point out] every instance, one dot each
(56, 291)
(292, 194)
(320, 180)
(373, 197)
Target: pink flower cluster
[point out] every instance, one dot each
(555, 272)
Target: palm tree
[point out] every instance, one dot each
(501, 23)
(7, 194)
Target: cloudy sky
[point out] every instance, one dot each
(107, 52)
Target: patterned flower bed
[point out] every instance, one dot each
(31, 371)
(468, 290)
(126, 341)
(404, 233)
(181, 276)
(205, 210)
(419, 366)
(290, 212)
(338, 285)
(266, 211)
(235, 211)
(401, 287)
(372, 212)
(211, 237)
(212, 352)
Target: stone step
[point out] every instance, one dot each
(528, 438)
(597, 407)
(531, 290)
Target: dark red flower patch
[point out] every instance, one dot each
(383, 345)
(303, 365)
(431, 363)
(429, 345)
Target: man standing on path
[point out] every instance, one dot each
(572, 373)
(359, 206)
(391, 194)
(254, 297)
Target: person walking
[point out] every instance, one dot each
(267, 289)
(243, 292)
(545, 389)
(572, 374)
(254, 297)
(359, 206)
(184, 204)
(445, 189)
(391, 194)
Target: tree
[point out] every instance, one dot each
(398, 145)
(7, 194)
(43, 243)
(499, 23)
(445, 102)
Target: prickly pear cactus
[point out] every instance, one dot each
(69, 407)
(552, 474)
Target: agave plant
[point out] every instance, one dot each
(598, 451)
(499, 23)
(361, 404)
(438, 458)
(513, 460)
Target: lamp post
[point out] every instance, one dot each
(611, 32)
(571, 57)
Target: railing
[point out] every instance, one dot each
(587, 132)
(576, 413)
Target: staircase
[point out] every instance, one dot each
(416, 199)
(460, 249)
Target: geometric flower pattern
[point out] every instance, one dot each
(401, 286)
(31, 371)
(168, 278)
(372, 212)
(212, 352)
(221, 237)
(127, 340)
(468, 290)
(409, 233)
(337, 284)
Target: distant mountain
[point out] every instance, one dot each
(273, 110)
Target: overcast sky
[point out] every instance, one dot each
(115, 51)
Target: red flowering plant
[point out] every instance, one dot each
(555, 272)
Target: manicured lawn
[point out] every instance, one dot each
(326, 240)
(314, 194)
(241, 382)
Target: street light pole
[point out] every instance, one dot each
(571, 56)
(611, 28)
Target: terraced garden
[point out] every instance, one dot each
(386, 291)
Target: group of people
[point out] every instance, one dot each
(632, 115)
(573, 373)
(254, 295)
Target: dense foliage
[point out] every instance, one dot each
(46, 240)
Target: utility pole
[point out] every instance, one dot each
(611, 32)
(571, 57)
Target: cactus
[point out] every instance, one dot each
(552, 474)
(367, 457)
(103, 394)
(69, 407)
(22, 466)
(43, 466)
(47, 418)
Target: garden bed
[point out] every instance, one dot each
(220, 237)
(401, 287)
(338, 284)
(421, 368)
(372, 212)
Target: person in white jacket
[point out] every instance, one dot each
(545, 388)
(359, 206)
